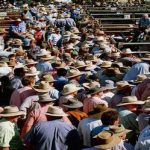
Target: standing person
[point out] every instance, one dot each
(144, 22)
(9, 134)
(53, 134)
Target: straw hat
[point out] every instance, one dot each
(100, 39)
(45, 97)
(73, 36)
(79, 64)
(3, 64)
(130, 100)
(91, 85)
(119, 130)
(73, 73)
(55, 111)
(42, 87)
(140, 78)
(47, 57)
(122, 85)
(73, 103)
(11, 111)
(90, 66)
(32, 72)
(30, 62)
(91, 57)
(43, 52)
(146, 106)
(69, 88)
(95, 90)
(106, 64)
(117, 54)
(2, 31)
(75, 31)
(48, 78)
(146, 57)
(69, 47)
(127, 51)
(106, 139)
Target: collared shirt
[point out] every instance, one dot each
(19, 95)
(85, 127)
(107, 97)
(16, 83)
(138, 68)
(52, 135)
(54, 38)
(144, 140)
(90, 103)
(9, 135)
(44, 66)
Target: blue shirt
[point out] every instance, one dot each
(98, 129)
(138, 68)
(52, 135)
(44, 66)
(144, 22)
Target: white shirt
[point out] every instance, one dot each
(85, 127)
(54, 38)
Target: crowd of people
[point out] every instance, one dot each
(65, 85)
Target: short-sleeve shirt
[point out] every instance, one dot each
(52, 135)
(9, 135)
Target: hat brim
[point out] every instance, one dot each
(132, 103)
(32, 74)
(41, 90)
(101, 89)
(126, 86)
(57, 115)
(33, 63)
(114, 142)
(19, 113)
(74, 75)
(47, 100)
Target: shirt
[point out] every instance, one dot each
(54, 135)
(138, 68)
(144, 22)
(9, 135)
(85, 127)
(44, 66)
(16, 83)
(54, 38)
(19, 95)
(142, 122)
(90, 103)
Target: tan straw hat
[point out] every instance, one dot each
(11, 111)
(73, 103)
(91, 85)
(69, 88)
(130, 100)
(48, 78)
(73, 73)
(119, 130)
(42, 87)
(79, 64)
(106, 140)
(47, 57)
(55, 111)
(32, 72)
(30, 62)
(122, 85)
(45, 97)
(106, 64)
(146, 58)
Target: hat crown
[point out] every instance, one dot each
(32, 70)
(147, 56)
(129, 99)
(127, 50)
(44, 85)
(141, 77)
(121, 84)
(106, 63)
(55, 110)
(45, 97)
(69, 88)
(79, 64)
(10, 109)
(73, 72)
(117, 129)
(48, 78)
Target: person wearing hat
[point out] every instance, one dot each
(108, 117)
(95, 94)
(54, 93)
(127, 108)
(121, 132)
(9, 133)
(69, 22)
(56, 133)
(73, 107)
(19, 95)
(38, 112)
(69, 92)
(123, 88)
(16, 81)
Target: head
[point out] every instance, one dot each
(28, 81)
(61, 72)
(19, 72)
(12, 58)
(110, 117)
(131, 107)
(145, 16)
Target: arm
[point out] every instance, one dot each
(4, 148)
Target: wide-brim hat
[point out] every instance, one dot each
(130, 100)
(140, 78)
(106, 139)
(43, 52)
(108, 85)
(73, 73)
(69, 88)
(146, 58)
(146, 106)
(79, 64)
(48, 78)
(120, 85)
(30, 62)
(47, 57)
(95, 90)
(45, 97)
(119, 130)
(106, 64)
(11, 111)
(73, 103)
(55, 111)
(2, 31)
(42, 87)
(91, 85)
(32, 72)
